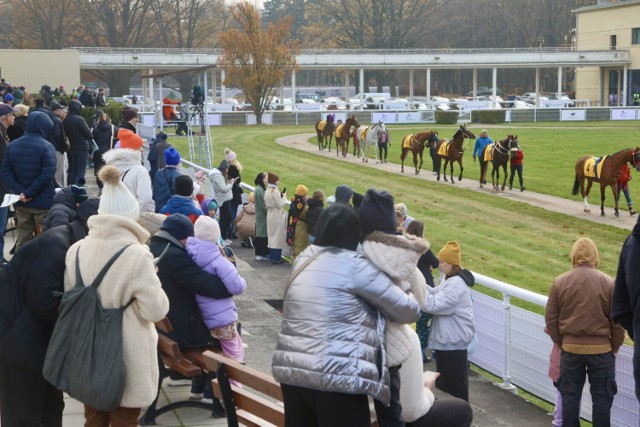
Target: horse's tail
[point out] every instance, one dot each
(576, 186)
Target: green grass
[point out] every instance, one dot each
(504, 239)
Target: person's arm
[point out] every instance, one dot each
(551, 316)
(48, 162)
(621, 310)
(197, 281)
(443, 300)
(84, 128)
(476, 148)
(8, 174)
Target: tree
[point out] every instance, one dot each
(40, 24)
(257, 60)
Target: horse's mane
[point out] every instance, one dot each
(618, 152)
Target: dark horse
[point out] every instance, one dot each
(324, 132)
(343, 134)
(607, 176)
(416, 143)
(501, 152)
(452, 151)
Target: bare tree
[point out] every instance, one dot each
(42, 24)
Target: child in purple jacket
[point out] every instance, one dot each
(220, 315)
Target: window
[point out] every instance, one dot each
(613, 42)
(635, 36)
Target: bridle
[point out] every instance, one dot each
(505, 151)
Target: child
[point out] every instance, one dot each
(220, 315)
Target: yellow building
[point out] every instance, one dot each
(613, 25)
(34, 68)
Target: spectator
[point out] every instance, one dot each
(274, 202)
(316, 206)
(625, 308)
(383, 141)
(297, 232)
(246, 223)
(60, 142)
(100, 99)
(182, 280)
(20, 124)
(220, 315)
(132, 276)
(235, 169)
(397, 256)
(6, 120)
(35, 273)
(343, 194)
(181, 202)
(158, 146)
(65, 203)
(261, 243)
(128, 160)
(578, 319)
(403, 220)
(8, 99)
(452, 326)
(515, 164)
(86, 98)
(164, 182)
(222, 188)
(209, 208)
(129, 120)
(184, 118)
(624, 176)
(79, 134)
(478, 151)
(335, 298)
(18, 95)
(28, 169)
(104, 134)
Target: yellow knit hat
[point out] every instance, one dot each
(450, 253)
(301, 190)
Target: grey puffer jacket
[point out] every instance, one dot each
(332, 334)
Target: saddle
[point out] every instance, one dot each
(338, 131)
(593, 167)
(406, 141)
(322, 124)
(488, 153)
(444, 148)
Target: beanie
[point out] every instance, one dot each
(184, 185)
(75, 106)
(161, 136)
(343, 193)
(78, 191)
(224, 165)
(229, 155)
(209, 205)
(130, 140)
(171, 156)
(450, 253)
(116, 198)
(55, 105)
(357, 200)
(584, 251)
(86, 210)
(207, 228)
(129, 114)
(178, 226)
(301, 190)
(272, 178)
(338, 226)
(376, 212)
(8, 98)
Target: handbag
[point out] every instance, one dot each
(93, 147)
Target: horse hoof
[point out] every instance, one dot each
(438, 178)
(617, 214)
(602, 214)
(459, 179)
(502, 188)
(417, 172)
(481, 186)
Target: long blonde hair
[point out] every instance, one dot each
(233, 162)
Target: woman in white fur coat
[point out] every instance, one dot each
(133, 275)
(276, 222)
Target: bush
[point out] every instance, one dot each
(446, 117)
(488, 116)
(113, 110)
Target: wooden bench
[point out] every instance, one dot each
(188, 364)
(244, 406)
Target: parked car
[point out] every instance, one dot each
(562, 97)
(440, 103)
(333, 103)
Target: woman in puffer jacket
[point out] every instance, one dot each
(330, 351)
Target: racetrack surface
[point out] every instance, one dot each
(552, 203)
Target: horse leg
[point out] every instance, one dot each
(420, 166)
(415, 162)
(585, 194)
(461, 169)
(482, 166)
(437, 167)
(504, 181)
(614, 189)
(444, 169)
(602, 191)
(402, 157)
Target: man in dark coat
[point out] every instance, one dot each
(28, 169)
(625, 308)
(86, 98)
(28, 313)
(6, 120)
(79, 134)
(59, 141)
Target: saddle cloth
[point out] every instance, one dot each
(339, 130)
(322, 124)
(444, 148)
(406, 141)
(363, 134)
(593, 167)
(488, 153)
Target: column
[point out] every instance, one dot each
(600, 84)
(223, 92)
(214, 85)
(428, 95)
(474, 90)
(494, 84)
(625, 75)
(559, 81)
(410, 85)
(537, 87)
(361, 87)
(346, 86)
(161, 98)
(150, 71)
(293, 90)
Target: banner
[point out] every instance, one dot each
(573, 115)
(623, 114)
(413, 117)
(214, 119)
(383, 117)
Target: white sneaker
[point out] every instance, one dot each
(262, 258)
(196, 396)
(179, 383)
(227, 242)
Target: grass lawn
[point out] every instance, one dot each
(504, 239)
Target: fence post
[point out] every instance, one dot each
(506, 376)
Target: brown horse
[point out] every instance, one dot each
(604, 170)
(452, 151)
(343, 134)
(501, 152)
(416, 143)
(324, 132)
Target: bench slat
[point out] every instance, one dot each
(164, 325)
(251, 420)
(254, 404)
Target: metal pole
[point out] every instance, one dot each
(506, 376)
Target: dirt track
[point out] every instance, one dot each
(552, 203)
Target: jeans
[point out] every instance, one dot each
(391, 416)
(382, 147)
(514, 169)
(77, 165)
(4, 214)
(602, 379)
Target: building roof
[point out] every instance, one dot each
(607, 4)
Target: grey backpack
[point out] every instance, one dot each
(84, 357)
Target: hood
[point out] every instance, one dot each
(467, 276)
(39, 124)
(181, 204)
(87, 209)
(65, 197)
(202, 252)
(122, 156)
(584, 251)
(249, 208)
(75, 107)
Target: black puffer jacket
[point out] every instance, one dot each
(76, 128)
(63, 210)
(313, 213)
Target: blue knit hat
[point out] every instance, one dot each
(177, 225)
(171, 156)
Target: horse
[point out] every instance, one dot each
(366, 137)
(324, 132)
(501, 152)
(604, 170)
(343, 134)
(452, 151)
(416, 143)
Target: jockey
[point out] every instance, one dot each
(331, 118)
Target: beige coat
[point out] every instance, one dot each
(276, 218)
(246, 222)
(133, 275)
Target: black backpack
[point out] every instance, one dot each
(84, 357)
